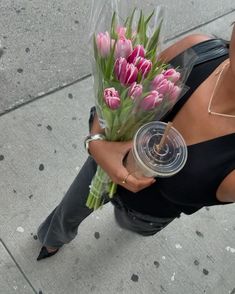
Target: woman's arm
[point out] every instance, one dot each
(110, 155)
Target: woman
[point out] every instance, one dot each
(205, 116)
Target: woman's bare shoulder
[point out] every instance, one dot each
(182, 45)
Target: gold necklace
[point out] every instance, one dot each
(213, 93)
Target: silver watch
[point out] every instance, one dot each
(90, 138)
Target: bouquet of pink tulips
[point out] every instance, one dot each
(132, 87)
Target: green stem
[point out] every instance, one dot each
(99, 186)
(112, 189)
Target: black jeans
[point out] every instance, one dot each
(61, 226)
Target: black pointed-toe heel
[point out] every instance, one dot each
(45, 254)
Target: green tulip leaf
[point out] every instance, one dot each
(153, 41)
(129, 24)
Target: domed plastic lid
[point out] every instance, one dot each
(153, 161)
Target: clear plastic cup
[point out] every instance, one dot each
(146, 159)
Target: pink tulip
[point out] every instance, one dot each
(143, 65)
(121, 31)
(130, 76)
(103, 42)
(157, 81)
(137, 52)
(120, 67)
(175, 92)
(135, 91)
(151, 101)
(172, 75)
(170, 86)
(126, 73)
(164, 87)
(111, 98)
(123, 48)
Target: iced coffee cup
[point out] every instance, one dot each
(147, 158)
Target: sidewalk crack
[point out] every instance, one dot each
(44, 94)
(18, 267)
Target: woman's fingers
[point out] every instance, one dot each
(110, 155)
(130, 182)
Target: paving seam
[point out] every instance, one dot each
(19, 267)
(14, 107)
(89, 75)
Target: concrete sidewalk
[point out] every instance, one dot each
(41, 151)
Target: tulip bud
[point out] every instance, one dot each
(121, 31)
(137, 52)
(172, 75)
(151, 101)
(111, 98)
(174, 93)
(103, 42)
(120, 67)
(126, 73)
(157, 81)
(135, 91)
(143, 65)
(123, 48)
(164, 87)
(131, 74)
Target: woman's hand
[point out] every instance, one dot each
(109, 156)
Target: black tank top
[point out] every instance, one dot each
(208, 162)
